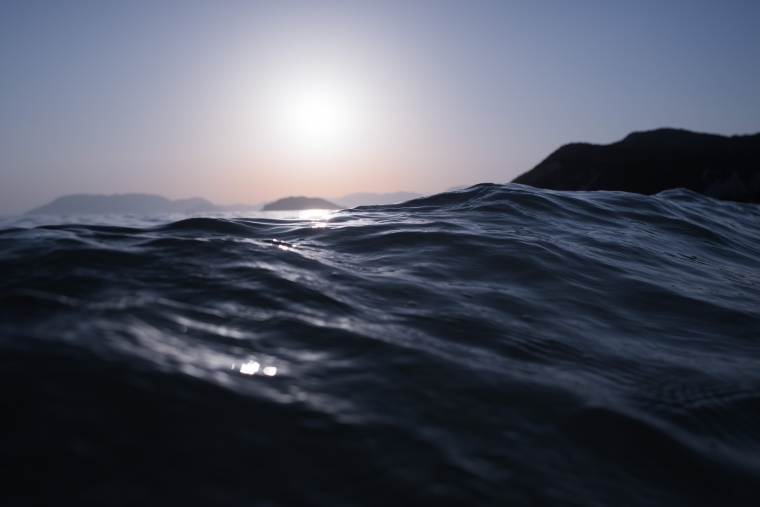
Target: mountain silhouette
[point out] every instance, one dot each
(151, 204)
(299, 203)
(123, 203)
(652, 161)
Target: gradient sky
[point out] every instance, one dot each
(202, 98)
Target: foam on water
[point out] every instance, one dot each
(500, 345)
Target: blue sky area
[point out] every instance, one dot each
(241, 101)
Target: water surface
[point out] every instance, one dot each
(499, 345)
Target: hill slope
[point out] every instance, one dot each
(122, 203)
(299, 203)
(652, 161)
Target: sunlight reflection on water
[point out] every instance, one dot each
(313, 214)
(253, 367)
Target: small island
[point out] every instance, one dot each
(299, 203)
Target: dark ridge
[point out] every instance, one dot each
(653, 161)
(122, 203)
(299, 203)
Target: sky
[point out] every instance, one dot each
(249, 101)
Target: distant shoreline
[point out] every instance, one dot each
(98, 204)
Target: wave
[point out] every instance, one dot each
(494, 345)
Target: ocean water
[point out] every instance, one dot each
(499, 345)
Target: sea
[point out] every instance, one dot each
(498, 345)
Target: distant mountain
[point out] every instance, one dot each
(369, 198)
(652, 161)
(299, 203)
(240, 207)
(151, 204)
(123, 203)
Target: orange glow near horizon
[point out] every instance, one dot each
(287, 118)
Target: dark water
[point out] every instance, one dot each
(496, 346)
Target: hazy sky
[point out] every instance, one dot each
(247, 101)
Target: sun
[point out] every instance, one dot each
(317, 118)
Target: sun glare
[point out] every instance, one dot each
(317, 119)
